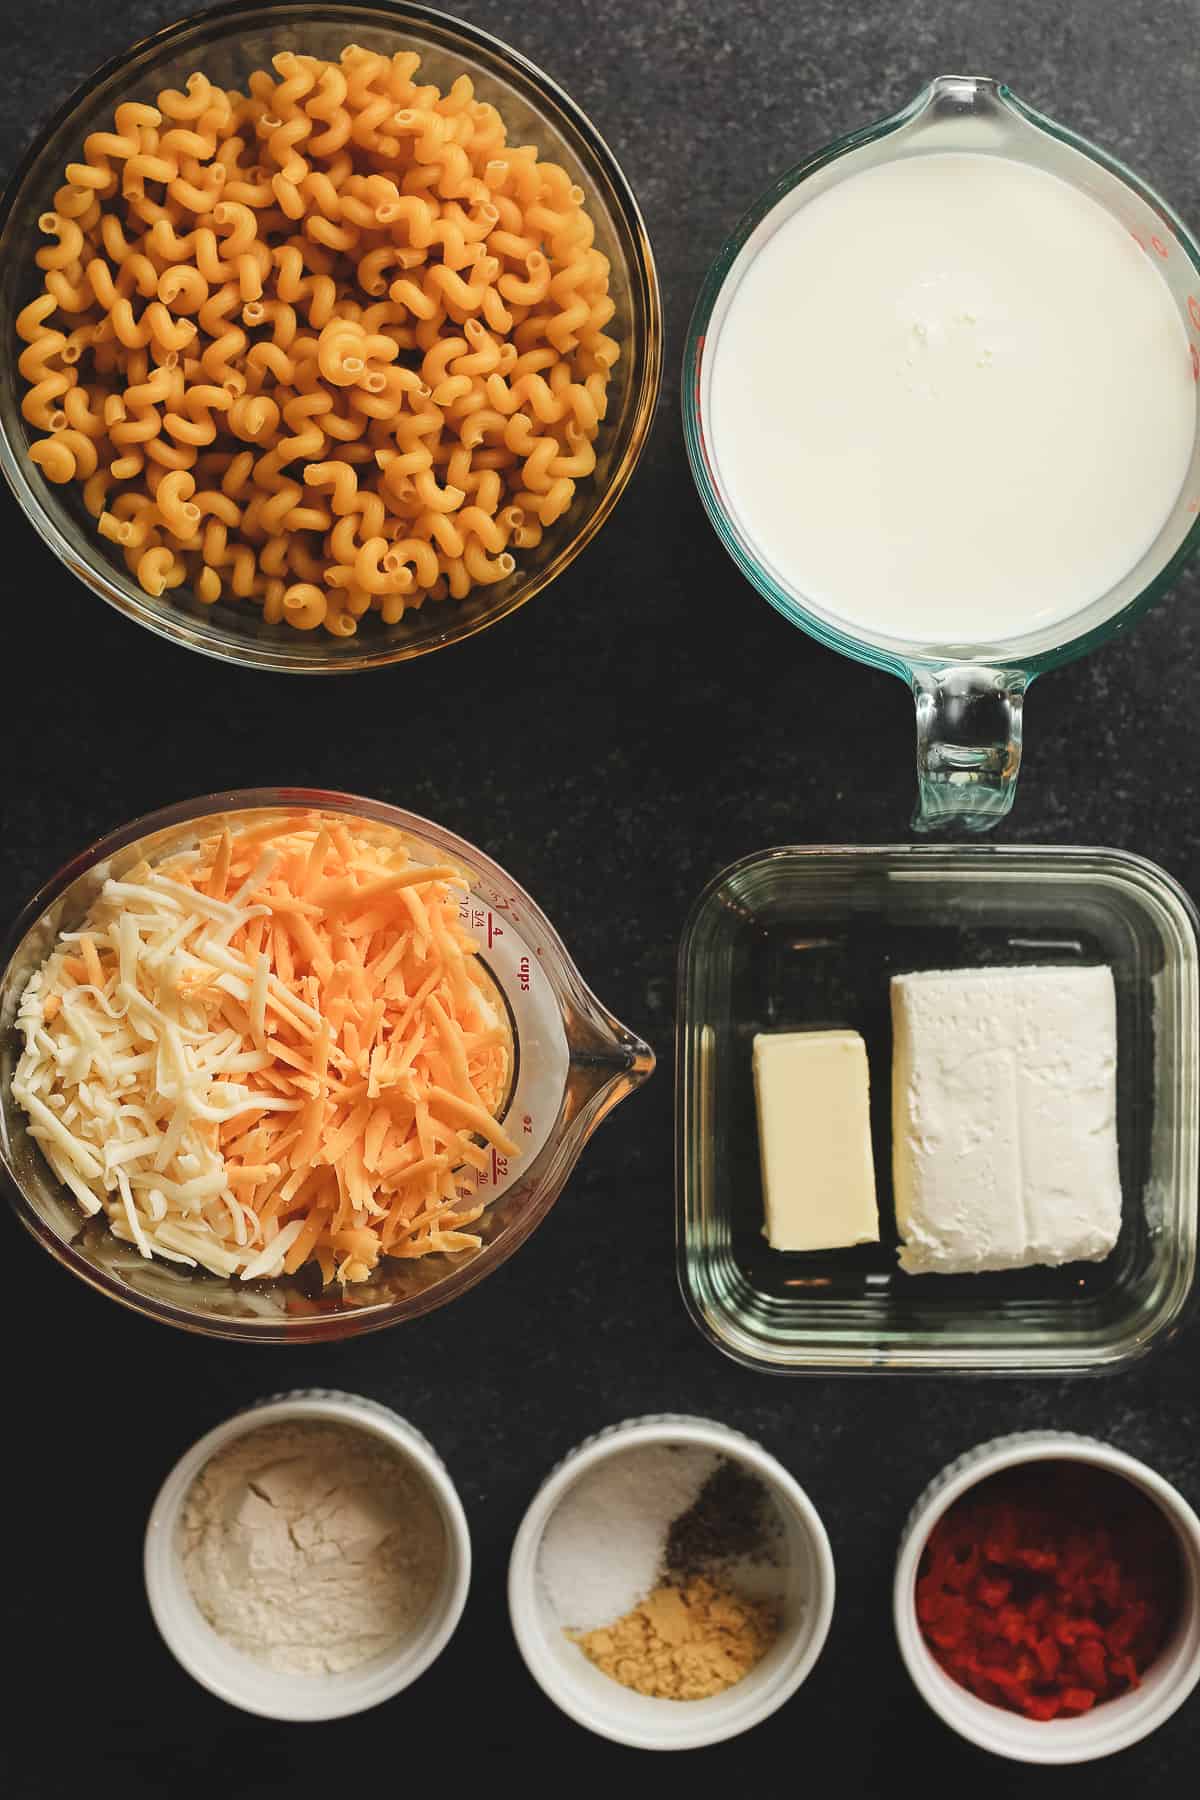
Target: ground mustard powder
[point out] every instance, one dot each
(684, 1643)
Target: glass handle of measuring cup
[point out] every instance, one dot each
(968, 745)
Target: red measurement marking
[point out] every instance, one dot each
(1195, 363)
(1194, 310)
(494, 930)
(1140, 242)
(523, 974)
(527, 1125)
(499, 1166)
(1157, 245)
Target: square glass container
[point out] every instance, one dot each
(809, 937)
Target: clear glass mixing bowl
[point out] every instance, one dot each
(227, 44)
(806, 936)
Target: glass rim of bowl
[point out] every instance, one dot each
(733, 1326)
(552, 1163)
(643, 344)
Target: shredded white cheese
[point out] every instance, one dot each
(126, 1085)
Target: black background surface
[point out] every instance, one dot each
(635, 728)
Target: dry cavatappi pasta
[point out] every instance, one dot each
(329, 346)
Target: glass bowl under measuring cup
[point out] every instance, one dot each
(572, 1063)
(968, 694)
(228, 44)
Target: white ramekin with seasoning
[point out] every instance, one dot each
(1112, 1725)
(249, 1684)
(594, 1699)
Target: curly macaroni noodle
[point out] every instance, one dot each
(332, 346)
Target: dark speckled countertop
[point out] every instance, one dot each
(644, 722)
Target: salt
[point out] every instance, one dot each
(603, 1548)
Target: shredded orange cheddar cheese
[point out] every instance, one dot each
(275, 1048)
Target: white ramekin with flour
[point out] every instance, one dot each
(249, 1683)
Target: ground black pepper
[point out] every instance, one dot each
(727, 1519)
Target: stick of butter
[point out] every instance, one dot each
(814, 1132)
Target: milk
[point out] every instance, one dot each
(951, 400)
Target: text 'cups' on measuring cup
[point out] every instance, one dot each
(969, 691)
(571, 1063)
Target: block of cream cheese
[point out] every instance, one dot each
(1004, 1118)
(814, 1132)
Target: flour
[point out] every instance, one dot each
(311, 1547)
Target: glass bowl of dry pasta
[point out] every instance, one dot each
(284, 1065)
(333, 333)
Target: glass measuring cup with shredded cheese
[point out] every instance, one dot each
(294, 1064)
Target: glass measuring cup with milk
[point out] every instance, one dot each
(940, 400)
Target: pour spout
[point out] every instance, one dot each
(607, 1062)
(963, 90)
(965, 112)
